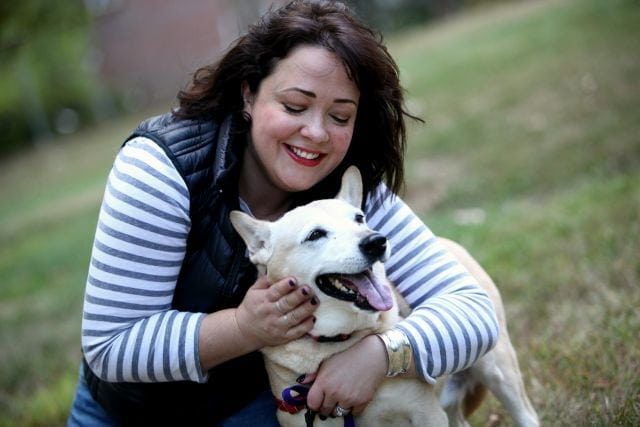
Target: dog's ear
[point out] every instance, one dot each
(351, 188)
(256, 235)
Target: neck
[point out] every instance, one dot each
(265, 200)
(264, 204)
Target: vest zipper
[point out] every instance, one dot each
(228, 290)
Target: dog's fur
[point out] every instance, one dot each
(283, 248)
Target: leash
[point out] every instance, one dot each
(294, 399)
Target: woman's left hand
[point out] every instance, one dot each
(349, 379)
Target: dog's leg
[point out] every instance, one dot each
(499, 371)
(453, 395)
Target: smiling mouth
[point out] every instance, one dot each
(307, 158)
(362, 289)
(304, 154)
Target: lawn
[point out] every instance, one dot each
(530, 157)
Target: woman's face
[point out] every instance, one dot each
(302, 119)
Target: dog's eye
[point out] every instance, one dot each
(317, 233)
(360, 218)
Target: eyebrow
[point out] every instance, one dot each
(313, 95)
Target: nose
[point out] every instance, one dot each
(374, 246)
(315, 130)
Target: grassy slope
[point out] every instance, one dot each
(46, 228)
(532, 124)
(532, 114)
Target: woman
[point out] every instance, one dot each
(174, 315)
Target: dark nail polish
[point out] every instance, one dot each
(301, 378)
(314, 319)
(305, 292)
(314, 301)
(323, 417)
(291, 282)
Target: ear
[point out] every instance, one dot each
(351, 188)
(255, 233)
(247, 97)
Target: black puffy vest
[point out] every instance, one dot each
(215, 274)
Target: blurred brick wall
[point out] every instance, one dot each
(147, 50)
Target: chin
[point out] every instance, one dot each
(296, 184)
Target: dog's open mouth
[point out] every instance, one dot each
(363, 289)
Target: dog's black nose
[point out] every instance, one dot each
(374, 246)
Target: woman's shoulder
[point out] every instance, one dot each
(171, 129)
(378, 197)
(143, 148)
(144, 165)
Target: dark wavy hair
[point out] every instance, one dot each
(378, 144)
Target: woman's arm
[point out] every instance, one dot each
(129, 332)
(453, 322)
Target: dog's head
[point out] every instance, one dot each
(327, 245)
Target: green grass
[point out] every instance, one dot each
(50, 199)
(532, 117)
(532, 113)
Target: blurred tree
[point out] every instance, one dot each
(48, 78)
(392, 15)
(44, 69)
(29, 20)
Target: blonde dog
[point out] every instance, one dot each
(327, 245)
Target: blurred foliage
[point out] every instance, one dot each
(48, 79)
(30, 20)
(47, 82)
(389, 16)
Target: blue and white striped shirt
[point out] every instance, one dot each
(130, 332)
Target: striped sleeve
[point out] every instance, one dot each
(453, 321)
(129, 331)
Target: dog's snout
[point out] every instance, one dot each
(374, 246)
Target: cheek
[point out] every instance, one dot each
(342, 141)
(272, 123)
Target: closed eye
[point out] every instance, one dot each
(341, 120)
(294, 109)
(316, 234)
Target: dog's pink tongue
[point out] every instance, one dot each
(377, 292)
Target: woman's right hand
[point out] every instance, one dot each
(272, 314)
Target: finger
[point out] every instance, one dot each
(328, 406)
(307, 378)
(279, 308)
(301, 328)
(286, 321)
(294, 299)
(294, 319)
(281, 288)
(324, 403)
(315, 398)
(261, 283)
(302, 312)
(302, 295)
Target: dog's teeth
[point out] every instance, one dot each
(342, 288)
